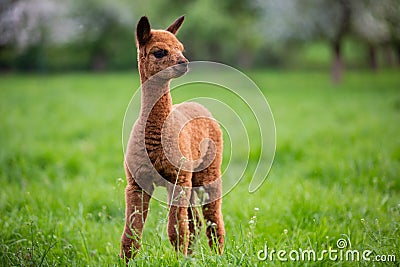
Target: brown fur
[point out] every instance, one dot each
(160, 137)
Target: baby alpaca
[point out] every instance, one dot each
(176, 146)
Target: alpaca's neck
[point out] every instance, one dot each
(156, 103)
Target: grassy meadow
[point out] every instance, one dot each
(335, 174)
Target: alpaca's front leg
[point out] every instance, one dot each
(178, 222)
(137, 205)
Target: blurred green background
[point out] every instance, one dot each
(67, 73)
(49, 35)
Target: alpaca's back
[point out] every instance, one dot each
(193, 109)
(200, 136)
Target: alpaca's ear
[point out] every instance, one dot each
(143, 34)
(174, 27)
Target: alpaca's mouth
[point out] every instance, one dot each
(181, 68)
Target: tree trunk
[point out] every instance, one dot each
(397, 48)
(245, 59)
(390, 57)
(342, 30)
(373, 63)
(98, 61)
(337, 67)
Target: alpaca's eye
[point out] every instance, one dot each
(160, 53)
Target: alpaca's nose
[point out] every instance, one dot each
(183, 61)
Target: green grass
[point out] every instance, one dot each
(335, 175)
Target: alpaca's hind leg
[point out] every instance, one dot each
(215, 225)
(137, 206)
(213, 216)
(178, 226)
(194, 223)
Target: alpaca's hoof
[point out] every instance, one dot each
(126, 253)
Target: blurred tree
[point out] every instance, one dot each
(287, 21)
(214, 30)
(371, 25)
(244, 15)
(341, 19)
(27, 27)
(30, 30)
(207, 32)
(99, 34)
(107, 32)
(392, 18)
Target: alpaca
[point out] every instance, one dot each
(176, 146)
